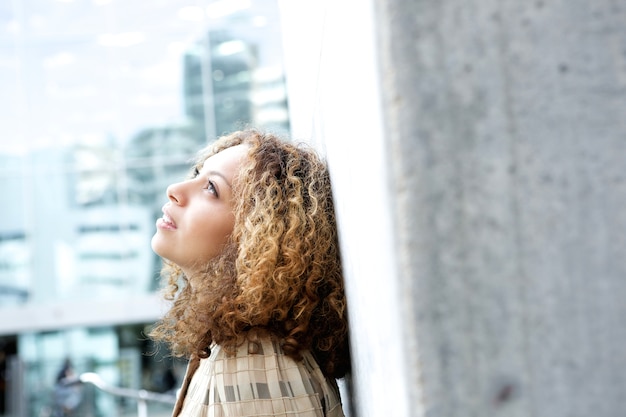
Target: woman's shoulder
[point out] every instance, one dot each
(265, 345)
(260, 370)
(258, 354)
(257, 378)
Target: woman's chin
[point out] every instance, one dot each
(157, 246)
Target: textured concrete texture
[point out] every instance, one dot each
(505, 124)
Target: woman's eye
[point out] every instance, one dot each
(211, 188)
(196, 172)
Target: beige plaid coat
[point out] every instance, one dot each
(260, 380)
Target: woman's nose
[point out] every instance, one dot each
(175, 193)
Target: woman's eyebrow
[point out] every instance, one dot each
(219, 174)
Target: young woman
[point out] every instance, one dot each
(250, 251)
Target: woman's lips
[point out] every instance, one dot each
(166, 221)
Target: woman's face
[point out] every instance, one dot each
(199, 218)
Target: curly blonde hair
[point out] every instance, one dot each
(279, 274)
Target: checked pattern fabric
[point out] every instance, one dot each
(263, 383)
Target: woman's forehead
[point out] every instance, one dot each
(227, 161)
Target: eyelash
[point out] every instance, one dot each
(209, 186)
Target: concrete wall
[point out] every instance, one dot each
(334, 97)
(478, 153)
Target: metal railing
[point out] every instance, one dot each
(142, 396)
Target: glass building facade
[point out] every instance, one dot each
(103, 104)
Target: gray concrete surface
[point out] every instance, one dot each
(506, 127)
(480, 178)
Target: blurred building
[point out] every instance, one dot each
(232, 87)
(100, 132)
